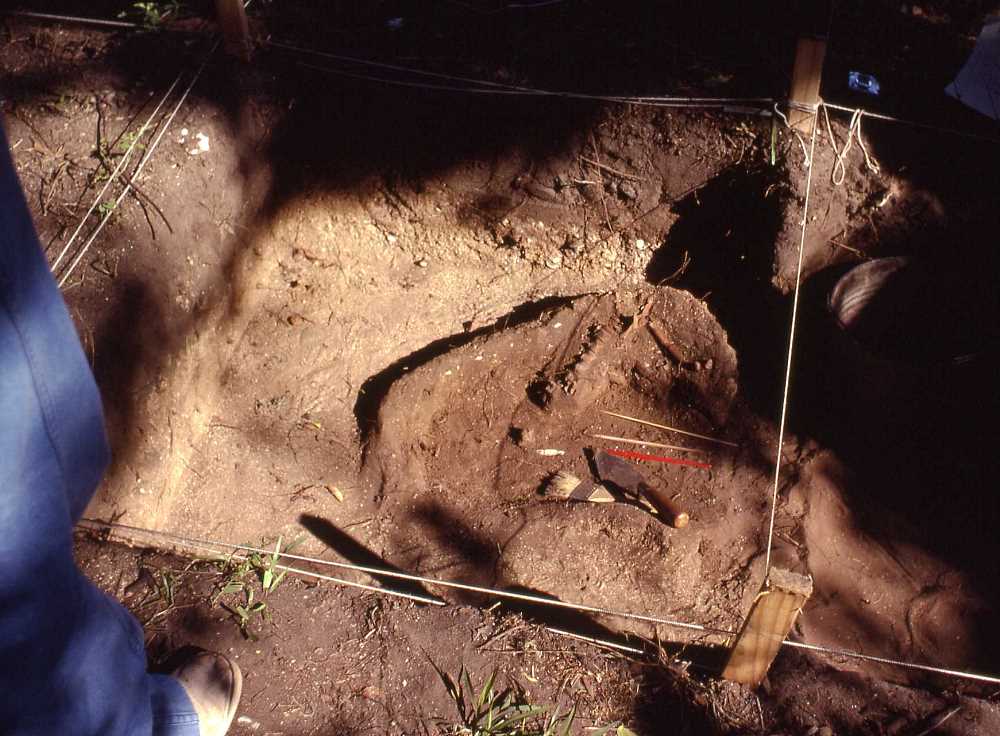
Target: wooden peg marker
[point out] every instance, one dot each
(806, 77)
(232, 16)
(771, 618)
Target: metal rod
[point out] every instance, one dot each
(142, 162)
(380, 572)
(139, 168)
(669, 429)
(627, 440)
(71, 19)
(340, 581)
(978, 677)
(114, 174)
(210, 544)
(594, 640)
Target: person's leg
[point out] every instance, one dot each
(71, 659)
(173, 712)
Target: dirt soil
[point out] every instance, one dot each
(357, 312)
(329, 661)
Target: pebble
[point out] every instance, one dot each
(640, 244)
(422, 263)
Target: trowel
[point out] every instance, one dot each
(625, 476)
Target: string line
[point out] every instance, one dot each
(380, 572)
(508, 89)
(117, 170)
(142, 163)
(791, 347)
(214, 546)
(839, 172)
(71, 19)
(762, 100)
(913, 123)
(502, 87)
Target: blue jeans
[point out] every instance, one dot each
(72, 661)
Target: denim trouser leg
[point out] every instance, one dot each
(71, 659)
(173, 714)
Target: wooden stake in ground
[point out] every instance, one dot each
(771, 618)
(232, 17)
(807, 73)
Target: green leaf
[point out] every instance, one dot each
(278, 578)
(449, 684)
(464, 685)
(569, 720)
(487, 688)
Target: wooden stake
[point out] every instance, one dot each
(232, 17)
(806, 77)
(771, 618)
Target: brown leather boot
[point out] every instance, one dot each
(214, 684)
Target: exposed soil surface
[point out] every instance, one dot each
(332, 661)
(358, 311)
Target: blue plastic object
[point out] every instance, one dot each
(861, 82)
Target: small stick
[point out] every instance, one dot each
(658, 459)
(646, 444)
(670, 429)
(604, 203)
(666, 345)
(610, 170)
(855, 251)
(940, 721)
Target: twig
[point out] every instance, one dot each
(140, 195)
(855, 251)
(612, 438)
(149, 152)
(604, 201)
(607, 168)
(52, 186)
(121, 165)
(669, 429)
(667, 346)
(685, 263)
(940, 721)
(149, 200)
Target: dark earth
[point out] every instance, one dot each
(356, 315)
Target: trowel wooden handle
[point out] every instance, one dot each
(668, 510)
